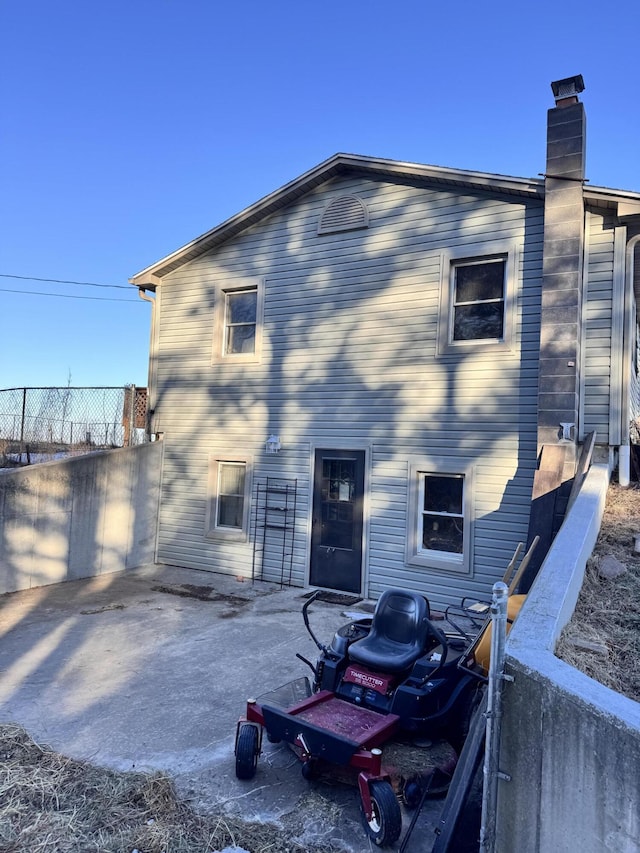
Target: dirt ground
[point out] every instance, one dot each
(52, 803)
(603, 637)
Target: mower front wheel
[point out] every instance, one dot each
(385, 823)
(247, 751)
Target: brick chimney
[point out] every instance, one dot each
(562, 271)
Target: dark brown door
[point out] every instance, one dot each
(336, 534)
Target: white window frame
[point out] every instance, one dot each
(213, 530)
(478, 253)
(220, 322)
(416, 555)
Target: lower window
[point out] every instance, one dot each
(440, 516)
(441, 519)
(230, 505)
(228, 498)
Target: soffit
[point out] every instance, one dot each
(340, 164)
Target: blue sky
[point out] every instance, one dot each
(132, 126)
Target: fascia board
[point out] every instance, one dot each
(321, 173)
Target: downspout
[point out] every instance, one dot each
(624, 454)
(617, 370)
(152, 360)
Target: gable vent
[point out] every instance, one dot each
(344, 214)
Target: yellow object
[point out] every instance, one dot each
(482, 649)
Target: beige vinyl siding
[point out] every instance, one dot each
(349, 359)
(633, 367)
(182, 541)
(501, 517)
(598, 319)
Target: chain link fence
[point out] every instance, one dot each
(40, 424)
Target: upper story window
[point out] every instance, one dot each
(477, 299)
(241, 312)
(237, 327)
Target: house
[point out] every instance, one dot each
(354, 377)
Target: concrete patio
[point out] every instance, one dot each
(150, 669)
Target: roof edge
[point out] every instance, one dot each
(150, 277)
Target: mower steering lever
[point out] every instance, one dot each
(308, 663)
(305, 616)
(442, 641)
(440, 637)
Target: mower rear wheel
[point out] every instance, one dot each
(411, 794)
(310, 769)
(247, 750)
(385, 823)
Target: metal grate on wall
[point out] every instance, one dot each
(274, 522)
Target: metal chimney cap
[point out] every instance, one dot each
(569, 87)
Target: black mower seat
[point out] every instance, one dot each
(398, 633)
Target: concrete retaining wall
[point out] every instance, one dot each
(571, 746)
(79, 517)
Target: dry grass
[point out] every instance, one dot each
(52, 803)
(607, 616)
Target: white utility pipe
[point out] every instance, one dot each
(624, 451)
(624, 465)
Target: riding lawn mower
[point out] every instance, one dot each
(394, 677)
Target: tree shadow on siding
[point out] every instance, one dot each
(349, 356)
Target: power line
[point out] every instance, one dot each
(70, 296)
(65, 281)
